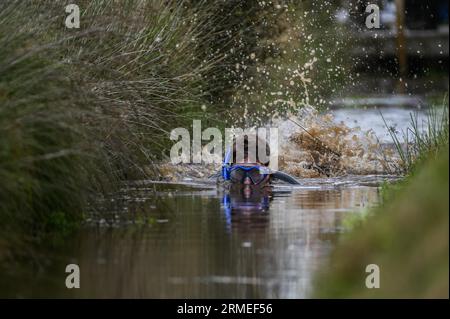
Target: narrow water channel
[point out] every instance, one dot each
(189, 239)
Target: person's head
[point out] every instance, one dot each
(250, 161)
(250, 149)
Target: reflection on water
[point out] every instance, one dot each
(196, 243)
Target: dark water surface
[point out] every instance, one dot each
(186, 242)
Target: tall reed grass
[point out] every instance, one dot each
(41, 170)
(83, 109)
(422, 140)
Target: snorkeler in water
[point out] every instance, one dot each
(248, 179)
(249, 172)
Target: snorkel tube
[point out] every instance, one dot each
(226, 165)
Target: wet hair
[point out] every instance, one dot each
(251, 154)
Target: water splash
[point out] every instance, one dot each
(311, 145)
(322, 147)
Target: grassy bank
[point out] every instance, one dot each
(407, 237)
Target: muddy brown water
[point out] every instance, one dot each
(185, 241)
